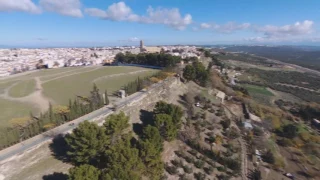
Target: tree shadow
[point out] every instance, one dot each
(55, 176)
(59, 148)
(183, 101)
(146, 118)
(304, 174)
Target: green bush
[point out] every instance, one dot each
(221, 168)
(179, 153)
(177, 163)
(189, 159)
(171, 169)
(199, 176)
(208, 170)
(183, 177)
(199, 164)
(193, 152)
(268, 157)
(187, 169)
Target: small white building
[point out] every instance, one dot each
(221, 96)
(247, 125)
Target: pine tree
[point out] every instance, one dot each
(86, 143)
(115, 124)
(123, 161)
(150, 150)
(84, 172)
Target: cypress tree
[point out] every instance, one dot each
(51, 113)
(106, 97)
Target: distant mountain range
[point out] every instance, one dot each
(307, 56)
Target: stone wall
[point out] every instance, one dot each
(167, 90)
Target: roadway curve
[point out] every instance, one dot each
(19, 148)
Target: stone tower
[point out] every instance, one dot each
(141, 46)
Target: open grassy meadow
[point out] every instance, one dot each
(257, 90)
(32, 91)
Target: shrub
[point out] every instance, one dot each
(233, 133)
(289, 131)
(183, 177)
(233, 164)
(164, 177)
(221, 168)
(256, 175)
(279, 162)
(179, 153)
(226, 123)
(257, 131)
(199, 164)
(208, 170)
(219, 113)
(268, 157)
(285, 142)
(193, 152)
(211, 163)
(189, 159)
(199, 176)
(211, 128)
(177, 163)
(187, 169)
(171, 169)
(223, 177)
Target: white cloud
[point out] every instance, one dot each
(225, 28)
(19, 5)
(63, 7)
(298, 28)
(134, 39)
(255, 39)
(170, 17)
(121, 12)
(115, 12)
(231, 27)
(95, 12)
(205, 25)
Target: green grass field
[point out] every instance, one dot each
(11, 109)
(23, 88)
(257, 90)
(60, 85)
(62, 89)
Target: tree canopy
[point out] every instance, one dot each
(123, 161)
(115, 124)
(152, 59)
(84, 172)
(86, 143)
(196, 72)
(168, 119)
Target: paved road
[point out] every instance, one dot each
(67, 127)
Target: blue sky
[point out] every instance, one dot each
(43, 23)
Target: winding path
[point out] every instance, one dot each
(36, 98)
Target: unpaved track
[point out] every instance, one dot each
(36, 98)
(72, 74)
(117, 75)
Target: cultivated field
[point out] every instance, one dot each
(32, 91)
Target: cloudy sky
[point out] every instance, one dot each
(108, 22)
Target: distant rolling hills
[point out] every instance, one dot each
(306, 56)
